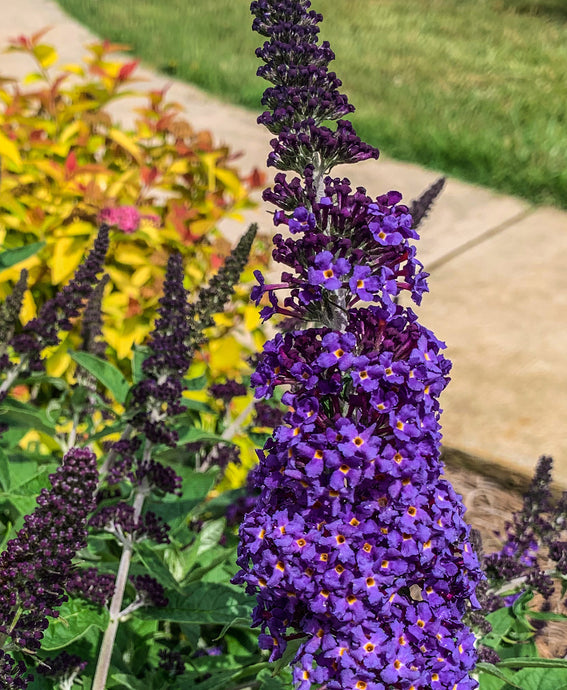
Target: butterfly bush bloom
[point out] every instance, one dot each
(37, 563)
(57, 313)
(357, 544)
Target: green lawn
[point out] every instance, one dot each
(474, 88)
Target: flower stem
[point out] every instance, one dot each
(107, 464)
(11, 376)
(105, 654)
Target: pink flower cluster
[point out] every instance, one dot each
(126, 218)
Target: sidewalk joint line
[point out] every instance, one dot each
(470, 244)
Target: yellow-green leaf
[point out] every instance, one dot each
(74, 69)
(126, 143)
(226, 355)
(33, 77)
(9, 150)
(231, 181)
(28, 310)
(70, 131)
(67, 255)
(45, 55)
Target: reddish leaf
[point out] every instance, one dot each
(148, 175)
(256, 179)
(127, 69)
(70, 165)
(40, 34)
(134, 308)
(179, 216)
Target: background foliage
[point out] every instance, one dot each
(473, 88)
(66, 162)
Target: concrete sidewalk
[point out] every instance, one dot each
(498, 286)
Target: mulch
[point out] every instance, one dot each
(491, 495)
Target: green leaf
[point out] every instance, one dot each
(203, 603)
(110, 377)
(196, 485)
(24, 505)
(196, 405)
(215, 682)
(195, 384)
(540, 679)
(140, 354)
(76, 618)
(199, 573)
(10, 257)
(23, 416)
(547, 616)
(193, 434)
(288, 655)
(5, 481)
(111, 429)
(270, 682)
(28, 479)
(156, 567)
(7, 534)
(502, 621)
(128, 681)
(175, 512)
(236, 622)
(495, 672)
(526, 662)
(210, 534)
(520, 605)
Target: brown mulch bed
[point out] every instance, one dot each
(491, 494)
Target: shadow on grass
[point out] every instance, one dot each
(552, 9)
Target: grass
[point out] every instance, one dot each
(473, 88)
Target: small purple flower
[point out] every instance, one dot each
(363, 283)
(326, 272)
(339, 347)
(301, 221)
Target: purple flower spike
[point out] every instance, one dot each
(37, 563)
(354, 543)
(157, 397)
(56, 314)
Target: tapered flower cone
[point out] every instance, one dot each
(357, 545)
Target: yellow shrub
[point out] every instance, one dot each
(66, 165)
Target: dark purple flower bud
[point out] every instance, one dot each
(158, 476)
(64, 667)
(171, 662)
(92, 320)
(10, 310)
(37, 563)
(56, 314)
(487, 655)
(120, 520)
(228, 390)
(13, 674)
(225, 453)
(158, 397)
(422, 205)
(267, 415)
(91, 585)
(149, 590)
